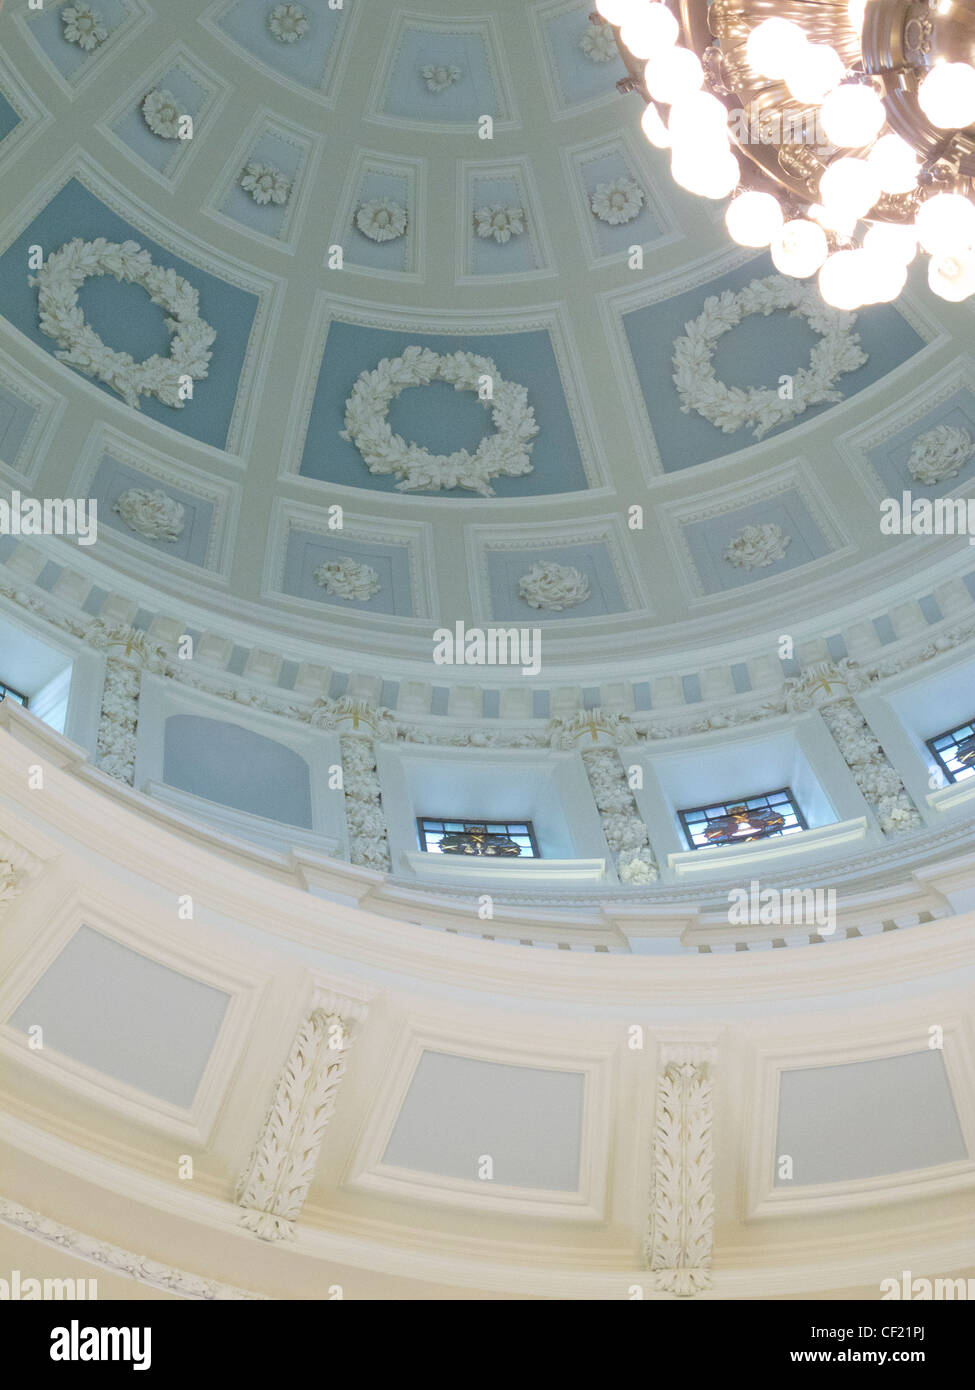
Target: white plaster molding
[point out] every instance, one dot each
(275, 1184)
(873, 772)
(625, 831)
(142, 1268)
(58, 281)
(18, 866)
(680, 1233)
(368, 842)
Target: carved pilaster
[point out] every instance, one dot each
(274, 1186)
(680, 1230)
(624, 828)
(368, 843)
(130, 652)
(878, 780)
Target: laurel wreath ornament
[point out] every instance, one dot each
(62, 318)
(730, 408)
(506, 452)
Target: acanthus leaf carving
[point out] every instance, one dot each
(680, 1233)
(274, 1186)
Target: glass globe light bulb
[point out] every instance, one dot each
(799, 249)
(895, 164)
(654, 128)
(945, 224)
(772, 45)
(895, 241)
(883, 276)
(697, 116)
(813, 72)
(673, 74)
(615, 11)
(852, 115)
(947, 95)
(855, 11)
(833, 219)
(952, 277)
(753, 219)
(707, 177)
(849, 187)
(841, 280)
(649, 30)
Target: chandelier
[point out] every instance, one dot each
(842, 130)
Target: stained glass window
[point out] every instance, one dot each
(742, 819)
(954, 751)
(7, 692)
(484, 837)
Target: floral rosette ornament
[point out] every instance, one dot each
(161, 113)
(939, 453)
(439, 76)
(757, 546)
(500, 222)
(598, 43)
(288, 23)
(348, 579)
(617, 202)
(381, 219)
(83, 26)
(552, 586)
(154, 514)
(731, 408)
(62, 318)
(265, 183)
(507, 452)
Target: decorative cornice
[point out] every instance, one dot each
(680, 1233)
(139, 1267)
(273, 1188)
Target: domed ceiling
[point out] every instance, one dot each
(445, 221)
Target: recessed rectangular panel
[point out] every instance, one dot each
(459, 1111)
(865, 1119)
(123, 1014)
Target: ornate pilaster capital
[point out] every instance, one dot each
(821, 682)
(128, 644)
(17, 868)
(591, 728)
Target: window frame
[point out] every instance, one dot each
(951, 733)
(723, 809)
(19, 697)
(467, 821)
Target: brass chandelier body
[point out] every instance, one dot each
(889, 46)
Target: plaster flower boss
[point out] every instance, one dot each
(381, 219)
(83, 26)
(439, 76)
(287, 23)
(506, 452)
(500, 222)
(730, 408)
(161, 112)
(154, 515)
(940, 453)
(347, 578)
(617, 202)
(62, 318)
(265, 183)
(757, 546)
(553, 586)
